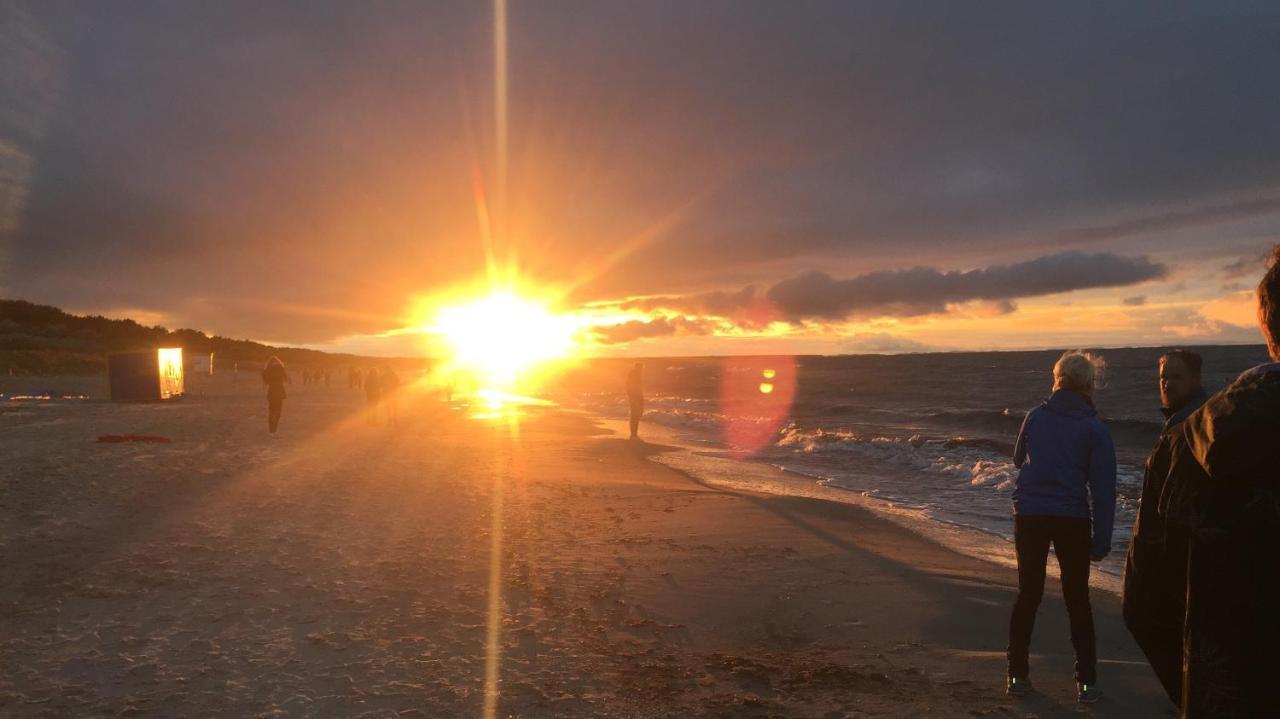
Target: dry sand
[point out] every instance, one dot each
(344, 570)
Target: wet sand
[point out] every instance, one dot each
(343, 569)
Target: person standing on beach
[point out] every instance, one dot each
(635, 397)
(275, 378)
(1155, 570)
(1222, 490)
(1066, 458)
(372, 394)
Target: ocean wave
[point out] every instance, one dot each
(1002, 420)
(810, 440)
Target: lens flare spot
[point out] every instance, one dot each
(755, 400)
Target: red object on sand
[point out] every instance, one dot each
(133, 438)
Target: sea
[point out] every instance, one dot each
(928, 433)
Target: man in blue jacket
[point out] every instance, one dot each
(1066, 462)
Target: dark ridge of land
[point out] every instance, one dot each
(44, 340)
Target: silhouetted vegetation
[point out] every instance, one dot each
(39, 339)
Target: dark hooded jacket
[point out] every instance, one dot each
(1223, 491)
(274, 377)
(1155, 571)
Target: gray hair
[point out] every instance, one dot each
(1079, 371)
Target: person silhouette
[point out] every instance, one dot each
(275, 378)
(635, 397)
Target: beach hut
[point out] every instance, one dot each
(148, 375)
(200, 363)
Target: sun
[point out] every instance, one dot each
(503, 338)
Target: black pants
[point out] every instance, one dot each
(1071, 541)
(274, 407)
(637, 409)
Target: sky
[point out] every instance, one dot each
(686, 178)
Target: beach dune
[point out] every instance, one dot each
(343, 569)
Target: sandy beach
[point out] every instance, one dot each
(343, 569)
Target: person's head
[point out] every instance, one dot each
(638, 367)
(1179, 378)
(1269, 304)
(1077, 371)
(275, 362)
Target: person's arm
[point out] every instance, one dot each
(1102, 490)
(1020, 445)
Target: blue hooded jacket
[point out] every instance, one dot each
(1065, 457)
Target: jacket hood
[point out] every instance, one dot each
(1234, 435)
(1070, 404)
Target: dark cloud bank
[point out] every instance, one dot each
(897, 293)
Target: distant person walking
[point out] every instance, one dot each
(372, 394)
(1155, 571)
(389, 383)
(635, 397)
(275, 378)
(1222, 490)
(1066, 460)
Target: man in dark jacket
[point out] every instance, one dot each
(1155, 571)
(1181, 387)
(1223, 490)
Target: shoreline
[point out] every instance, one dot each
(767, 478)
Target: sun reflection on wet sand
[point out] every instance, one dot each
(494, 404)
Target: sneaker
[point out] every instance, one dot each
(1088, 693)
(1018, 686)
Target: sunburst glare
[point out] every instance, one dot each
(503, 339)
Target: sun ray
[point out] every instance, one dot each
(493, 620)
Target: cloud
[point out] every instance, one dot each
(1246, 266)
(1135, 301)
(633, 330)
(1176, 219)
(817, 297)
(749, 308)
(922, 290)
(1231, 319)
(983, 308)
(881, 343)
(1196, 326)
(913, 292)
